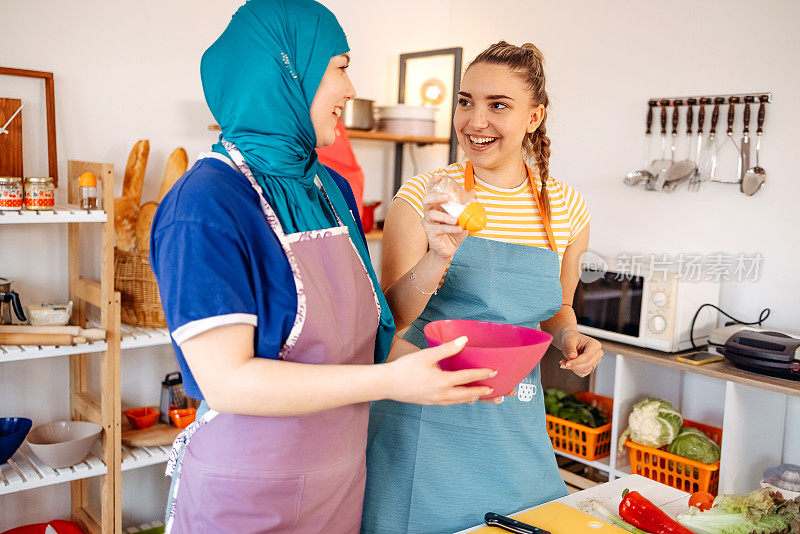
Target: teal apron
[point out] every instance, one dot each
(439, 469)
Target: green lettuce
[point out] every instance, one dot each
(653, 422)
(693, 444)
(759, 512)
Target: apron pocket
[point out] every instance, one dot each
(250, 503)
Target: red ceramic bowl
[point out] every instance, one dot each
(142, 417)
(183, 417)
(513, 351)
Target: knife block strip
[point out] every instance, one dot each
(11, 143)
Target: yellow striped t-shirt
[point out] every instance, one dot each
(512, 214)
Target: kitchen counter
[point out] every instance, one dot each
(723, 370)
(671, 500)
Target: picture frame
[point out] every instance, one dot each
(441, 65)
(50, 107)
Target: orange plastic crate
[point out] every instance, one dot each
(676, 471)
(581, 440)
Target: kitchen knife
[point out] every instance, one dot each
(744, 161)
(511, 525)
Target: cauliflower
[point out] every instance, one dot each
(653, 422)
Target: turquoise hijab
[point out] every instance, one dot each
(259, 79)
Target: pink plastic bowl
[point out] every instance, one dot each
(513, 351)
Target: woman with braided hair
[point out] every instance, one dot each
(424, 463)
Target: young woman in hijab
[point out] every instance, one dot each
(274, 309)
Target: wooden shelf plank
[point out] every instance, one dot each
(135, 337)
(722, 370)
(10, 353)
(374, 135)
(62, 213)
(25, 471)
(136, 457)
(374, 235)
(601, 464)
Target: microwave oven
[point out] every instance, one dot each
(654, 312)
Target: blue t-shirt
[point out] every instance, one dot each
(218, 262)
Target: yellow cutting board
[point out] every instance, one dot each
(559, 518)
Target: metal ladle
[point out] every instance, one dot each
(755, 176)
(643, 175)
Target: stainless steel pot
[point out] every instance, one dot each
(359, 114)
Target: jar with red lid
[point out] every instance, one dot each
(39, 193)
(10, 193)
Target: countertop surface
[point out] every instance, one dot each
(671, 500)
(722, 370)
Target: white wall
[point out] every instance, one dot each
(123, 73)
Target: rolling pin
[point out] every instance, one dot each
(95, 334)
(39, 339)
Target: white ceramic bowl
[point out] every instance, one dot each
(63, 443)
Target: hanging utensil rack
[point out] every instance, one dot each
(719, 102)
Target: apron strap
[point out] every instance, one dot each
(469, 184)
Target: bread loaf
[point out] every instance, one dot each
(134, 172)
(143, 223)
(176, 167)
(126, 211)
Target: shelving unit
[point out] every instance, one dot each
(25, 471)
(753, 405)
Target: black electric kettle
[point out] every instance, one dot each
(9, 299)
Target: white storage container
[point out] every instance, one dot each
(402, 119)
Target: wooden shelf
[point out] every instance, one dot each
(374, 235)
(722, 370)
(62, 213)
(395, 138)
(603, 464)
(134, 337)
(10, 353)
(25, 471)
(145, 528)
(375, 135)
(136, 457)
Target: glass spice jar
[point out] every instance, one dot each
(10, 193)
(39, 193)
(87, 187)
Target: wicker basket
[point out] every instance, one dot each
(133, 278)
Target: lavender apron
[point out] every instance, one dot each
(302, 474)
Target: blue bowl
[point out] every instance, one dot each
(12, 433)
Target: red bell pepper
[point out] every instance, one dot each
(645, 515)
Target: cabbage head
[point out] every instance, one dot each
(653, 422)
(693, 444)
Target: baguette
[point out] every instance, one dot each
(133, 181)
(143, 222)
(176, 167)
(126, 211)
